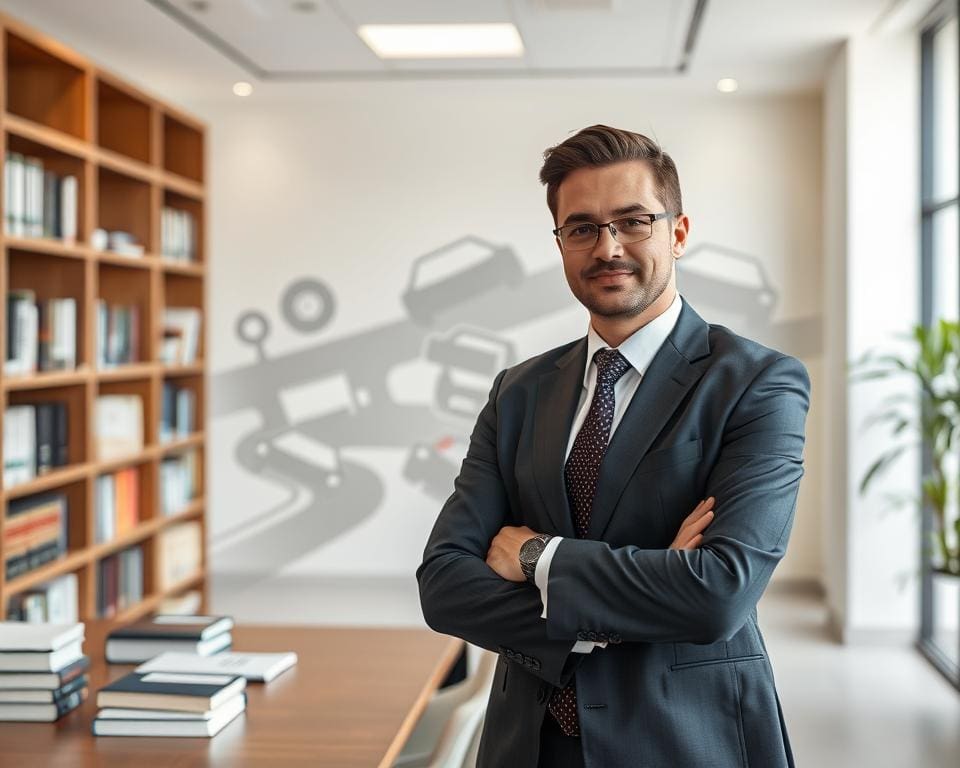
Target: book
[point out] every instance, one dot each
(181, 335)
(17, 636)
(259, 667)
(19, 444)
(161, 690)
(166, 627)
(114, 721)
(120, 582)
(47, 681)
(42, 695)
(118, 425)
(40, 661)
(35, 532)
(178, 550)
(58, 602)
(199, 635)
(46, 713)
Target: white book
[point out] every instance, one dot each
(41, 661)
(63, 351)
(131, 651)
(62, 600)
(19, 447)
(185, 321)
(27, 339)
(118, 425)
(68, 208)
(261, 667)
(17, 636)
(116, 721)
(17, 195)
(44, 713)
(34, 196)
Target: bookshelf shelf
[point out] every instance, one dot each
(125, 157)
(70, 562)
(48, 246)
(15, 125)
(47, 379)
(55, 479)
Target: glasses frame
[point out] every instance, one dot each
(653, 219)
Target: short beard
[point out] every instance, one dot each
(645, 296)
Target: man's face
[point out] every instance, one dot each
(614, 279)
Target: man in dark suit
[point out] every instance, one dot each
(625, 624)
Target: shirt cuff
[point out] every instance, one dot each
(541, 575)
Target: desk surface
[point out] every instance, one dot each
(351, 700)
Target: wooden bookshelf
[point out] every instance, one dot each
(132, 155)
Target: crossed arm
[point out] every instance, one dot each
(698, 592)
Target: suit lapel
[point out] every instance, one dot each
(671, 374)
(556, 405)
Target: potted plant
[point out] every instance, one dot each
(933, 365)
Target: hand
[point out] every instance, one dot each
(504, 553)
(690, 534)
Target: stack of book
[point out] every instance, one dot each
(164, 704)
(181, 335)
(118, 334)
(54, 602)
(42, 671)
(34, 533)
(178, 482)
(41, 333)
(178, 240)
(120, 582)
(37, 201)
(35, 440)
(178, 411)
(201, 635)
(116, 504)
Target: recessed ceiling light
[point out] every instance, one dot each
(304, 6)
(242, 88)
(442, 41)
(727, 85)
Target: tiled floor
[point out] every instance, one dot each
(877, 706)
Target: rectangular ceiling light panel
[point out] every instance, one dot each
(442, 41)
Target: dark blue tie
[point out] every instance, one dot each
(581, 473)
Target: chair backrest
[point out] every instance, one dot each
(463, 727)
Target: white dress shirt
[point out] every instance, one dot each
(639, 350)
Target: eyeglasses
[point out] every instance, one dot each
(583, 235)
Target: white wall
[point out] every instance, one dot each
(354, 183)
(872, 249)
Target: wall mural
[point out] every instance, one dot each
(460, 301)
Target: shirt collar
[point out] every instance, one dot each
(640, 347)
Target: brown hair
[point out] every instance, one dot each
(601, 145)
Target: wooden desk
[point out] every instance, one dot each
(351, 700)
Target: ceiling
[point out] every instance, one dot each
(199, 48)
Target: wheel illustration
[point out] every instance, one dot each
(307, 305)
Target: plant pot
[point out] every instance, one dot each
(946, 614)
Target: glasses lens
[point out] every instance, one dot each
(632, 229)
(575, 236)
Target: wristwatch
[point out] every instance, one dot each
(530, 552)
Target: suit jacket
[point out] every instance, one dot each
(685, 680)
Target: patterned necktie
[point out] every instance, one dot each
(581, 473)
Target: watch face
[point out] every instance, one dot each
(531, 550)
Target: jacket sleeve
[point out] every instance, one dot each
(706, 594)
(459, 593)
